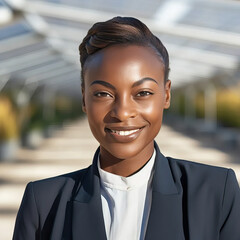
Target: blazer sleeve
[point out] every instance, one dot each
(230, 216)
(27, 220)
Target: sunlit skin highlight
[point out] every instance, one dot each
(124, 90)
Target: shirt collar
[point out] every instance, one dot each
(136, 180)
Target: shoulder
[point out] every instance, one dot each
(60, 180)
(196, 167)
(201, 176)
(50, 188)
(43, 199)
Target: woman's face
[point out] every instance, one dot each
(124, 97)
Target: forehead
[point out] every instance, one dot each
(123, 62)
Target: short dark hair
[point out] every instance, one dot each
(124, 31)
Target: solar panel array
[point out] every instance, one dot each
(39, 39)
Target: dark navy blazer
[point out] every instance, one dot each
(189, 201)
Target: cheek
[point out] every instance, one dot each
(95, 120)
(96, 113)
(94, 110)
(152, 111)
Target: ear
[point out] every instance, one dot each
(167, 91)
(83, 100)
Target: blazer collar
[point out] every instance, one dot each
(165, 219)
(86, 208)
(163, 181)
(89, 189)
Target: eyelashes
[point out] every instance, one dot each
(107, 95)
(144, 94)
(102, 94)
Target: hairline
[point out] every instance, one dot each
(147, 45)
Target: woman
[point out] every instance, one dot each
(131, 191)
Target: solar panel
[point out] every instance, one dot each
(67, 22)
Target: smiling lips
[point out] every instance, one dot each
(123, 132)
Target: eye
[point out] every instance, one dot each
(102, 94)
(144, 94)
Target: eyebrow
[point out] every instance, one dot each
(109, 85)
(106, 84)
(141, 81)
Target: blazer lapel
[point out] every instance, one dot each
(84, 217)
(86, 208)
(165, 219)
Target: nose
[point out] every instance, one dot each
(123, 109)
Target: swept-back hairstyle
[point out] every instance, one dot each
(124, 31)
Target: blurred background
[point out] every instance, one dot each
(43, 131)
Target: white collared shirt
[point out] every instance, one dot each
(126, 202)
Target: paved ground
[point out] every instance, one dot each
(72, 148)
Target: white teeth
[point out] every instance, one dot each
(125, 133)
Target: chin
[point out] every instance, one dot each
(124, 151)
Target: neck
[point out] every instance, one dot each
(127, 166)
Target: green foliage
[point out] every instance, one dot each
(177, 103)
(228, 107)
(8, 122)
(199, 105)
